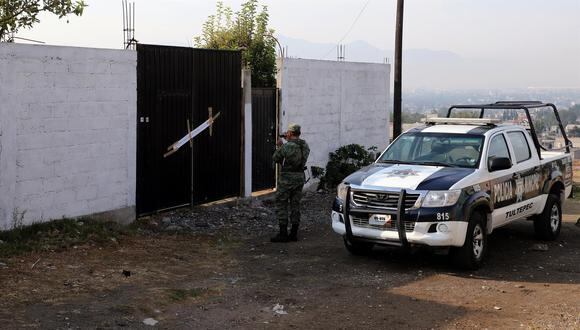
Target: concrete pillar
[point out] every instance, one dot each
(8, 151)
(247, 79)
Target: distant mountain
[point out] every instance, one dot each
(440, 69)
(431, 56)
(362, 51)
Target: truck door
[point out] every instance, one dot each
(527, 177)
(502, 182)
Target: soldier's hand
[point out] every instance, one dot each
(280, 142)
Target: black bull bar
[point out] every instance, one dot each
(400, 222)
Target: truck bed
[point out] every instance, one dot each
(551, 155)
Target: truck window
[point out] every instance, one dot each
(520, 144)
(403, 152)
(456, 150)
(497, 148)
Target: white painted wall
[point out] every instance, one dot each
(336, 103)
(67, 132)
(247, 95)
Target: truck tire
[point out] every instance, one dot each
(470, 256)
(547, 225)
(358, 248)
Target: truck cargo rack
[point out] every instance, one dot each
(517, 105)
(461, 121)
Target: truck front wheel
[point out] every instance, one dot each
(547, 225)
(470, 256)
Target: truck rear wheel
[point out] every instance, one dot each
(470, 256)
(358, 248)
(547, 225)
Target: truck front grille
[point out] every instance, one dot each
(382, 200)
(392, 226)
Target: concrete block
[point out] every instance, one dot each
(86, 193)
(121, 68)
(34, 172)
(111, 94)
(102, 204)
(38, 203)
(27, 66)
(29, 158)
(55, 183)
(71, 110)
(45, 95)
(29, 187)
(89, 67)
(64, 196)
(79, 94)
(83, 179)
(111, 188)
(38, 111)
(75, 209)
(51, 66)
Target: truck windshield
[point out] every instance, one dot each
(439, 149)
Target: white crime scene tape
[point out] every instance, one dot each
(174, 147)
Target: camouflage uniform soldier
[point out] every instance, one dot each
(292, 157)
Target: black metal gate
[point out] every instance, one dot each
(264, 137)
(176, 85)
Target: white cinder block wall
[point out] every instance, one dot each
(336, 103)
(67, 132)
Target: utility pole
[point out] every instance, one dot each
(398, 68)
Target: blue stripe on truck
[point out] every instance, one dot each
(445, 178)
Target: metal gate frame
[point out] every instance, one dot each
(174, 85)
(264, 137)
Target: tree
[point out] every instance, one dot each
(17, 14)
(247, 30)
(568, 117)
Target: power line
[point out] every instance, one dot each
(351, 27)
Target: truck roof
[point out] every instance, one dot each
(463, 128)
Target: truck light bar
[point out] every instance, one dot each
(462, 121)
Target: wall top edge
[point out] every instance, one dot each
(16, 46)
(307, 60)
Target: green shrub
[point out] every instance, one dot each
(345, 161)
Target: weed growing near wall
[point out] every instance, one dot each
(57, 235)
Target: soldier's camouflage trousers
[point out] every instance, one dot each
(288, 197)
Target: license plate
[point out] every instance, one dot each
(379, 219)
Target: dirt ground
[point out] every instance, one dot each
(214, 268)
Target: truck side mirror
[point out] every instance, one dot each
(499, 163)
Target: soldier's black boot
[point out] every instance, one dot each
(293, 233)
(282, 236)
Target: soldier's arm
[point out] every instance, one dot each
(279, 154)
(306, 153)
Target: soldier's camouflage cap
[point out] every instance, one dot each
(295, 128)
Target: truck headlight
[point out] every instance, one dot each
(441, 198)
(341, 191)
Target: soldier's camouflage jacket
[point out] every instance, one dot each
(292, 157)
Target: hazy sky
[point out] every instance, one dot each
(537, 35)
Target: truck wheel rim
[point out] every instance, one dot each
(477, 242)
(555, 218)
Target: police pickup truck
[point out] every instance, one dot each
(453, 181)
